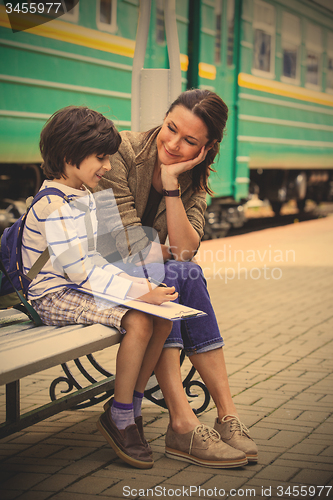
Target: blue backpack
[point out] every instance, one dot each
(13, 282)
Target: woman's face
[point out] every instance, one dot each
(181, 137)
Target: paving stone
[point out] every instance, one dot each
(307, 448)
(7, 449)
(54, 483)
(92, 485)
(68, 495)
(73, 453)
(42, 467)
(328, 452)
(313, 477)
(35, 495)
(23, 481)
(287, 439)
(282, 425)
(122, 488)
(279, 352)
(287, 460)
(10, 494)
(275, 472)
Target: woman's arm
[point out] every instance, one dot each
(183, 238)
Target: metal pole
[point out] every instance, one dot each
(138, 61)
(173, 49)
(153, 90)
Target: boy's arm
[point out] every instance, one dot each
(69, 254)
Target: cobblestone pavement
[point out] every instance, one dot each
(272, 292)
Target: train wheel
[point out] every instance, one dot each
(276, 207)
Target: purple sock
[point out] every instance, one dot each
(122, 414)
(137, 402)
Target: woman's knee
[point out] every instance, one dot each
(177, 270)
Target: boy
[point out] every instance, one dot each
(75, 145)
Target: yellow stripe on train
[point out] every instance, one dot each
(207, 71)
(278, 88)
(78, 35)
(71, 33)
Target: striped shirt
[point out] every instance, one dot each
(74, 261)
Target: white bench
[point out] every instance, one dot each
(26, 349)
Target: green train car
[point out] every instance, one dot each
(270, 60)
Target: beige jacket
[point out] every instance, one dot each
(130, 179)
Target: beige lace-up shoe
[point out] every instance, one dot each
(235, 434)
(202, 446)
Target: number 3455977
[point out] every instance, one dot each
(32, 8)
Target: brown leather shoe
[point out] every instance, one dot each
(202, 446)
(139, 423)
(235, 434)
(125, 442)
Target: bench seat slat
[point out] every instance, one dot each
(34, 334)
(32, 354)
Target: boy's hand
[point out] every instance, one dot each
(141, 281)
(160, 295)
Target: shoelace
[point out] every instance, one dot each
(236, 425)
(206, 433)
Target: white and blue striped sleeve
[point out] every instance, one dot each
(67, 240)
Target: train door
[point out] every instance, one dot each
(224, 14)
(217, 22)
(218, 70)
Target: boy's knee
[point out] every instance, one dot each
(138, 320)
(162, 324)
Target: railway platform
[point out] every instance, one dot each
(272, 291)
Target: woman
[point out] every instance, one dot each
(160, 180)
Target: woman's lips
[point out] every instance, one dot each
(170, 154)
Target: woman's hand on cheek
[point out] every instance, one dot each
(170, 173)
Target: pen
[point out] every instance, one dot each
(152, 280)
(145, 271)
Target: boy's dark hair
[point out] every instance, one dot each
(72, 134)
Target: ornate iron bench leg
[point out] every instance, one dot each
(72, 383)
(187, 384)
(13, 401)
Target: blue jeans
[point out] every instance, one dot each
(194, 335)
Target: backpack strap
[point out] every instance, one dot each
(44, 257)
(27, 308)
(39, 264)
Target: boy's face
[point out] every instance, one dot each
(90, 172)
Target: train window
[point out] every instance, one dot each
(264, 39)
(218, 35)
(291, 42)
(106, 15)
(160, 31)
(329, 74)
(231, 23)
(314, 49)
